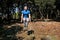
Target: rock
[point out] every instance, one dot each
(30, 32)
(29, 37)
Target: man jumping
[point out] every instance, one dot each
(25, 17)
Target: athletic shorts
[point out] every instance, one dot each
(26, 19)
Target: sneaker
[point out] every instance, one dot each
(25, 28)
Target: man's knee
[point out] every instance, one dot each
(23, 19)
(27, 19)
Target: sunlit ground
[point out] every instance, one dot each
(42, 30)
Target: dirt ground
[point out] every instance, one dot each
(43, 29)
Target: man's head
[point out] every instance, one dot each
(25, 7)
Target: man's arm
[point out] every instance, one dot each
(30, 17)
(21, 17)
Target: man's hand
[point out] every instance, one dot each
(30, 19)
(21, 21)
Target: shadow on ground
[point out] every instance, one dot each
(9, 34)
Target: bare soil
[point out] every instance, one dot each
(43, 29)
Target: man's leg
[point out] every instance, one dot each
(26, 20)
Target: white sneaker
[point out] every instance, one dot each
(25, 28)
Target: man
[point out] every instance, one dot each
(16, 11)
(25, 17)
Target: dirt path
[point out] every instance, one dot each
(44, 29)
(41, 29)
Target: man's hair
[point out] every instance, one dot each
(25, 6)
